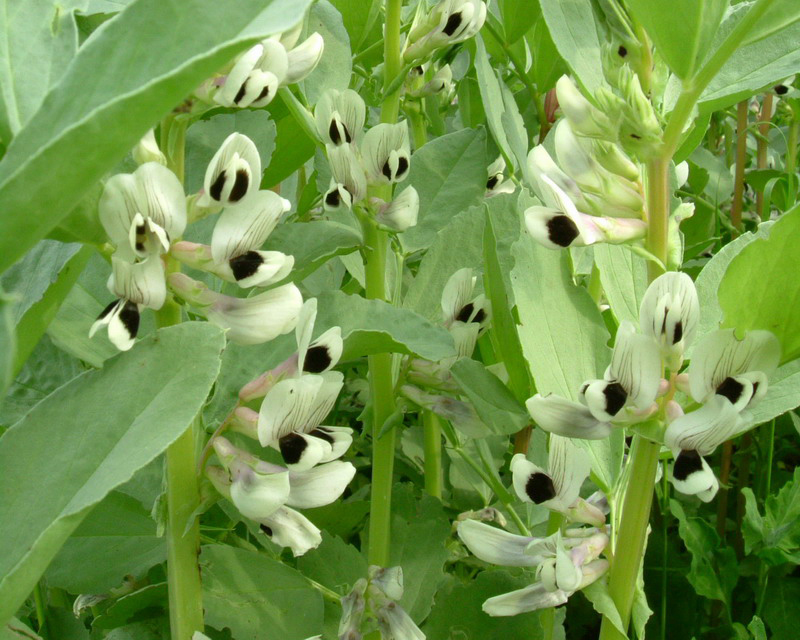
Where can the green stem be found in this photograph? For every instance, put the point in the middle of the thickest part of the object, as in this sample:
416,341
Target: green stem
791,145
762,142
380,365
657,213
741,159
547,617
38,599
433,453
419,131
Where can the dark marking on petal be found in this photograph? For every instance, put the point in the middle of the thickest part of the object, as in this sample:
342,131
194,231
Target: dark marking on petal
687,463
561,230
402,166
317,359
240,186
491,183
240,94
140,229
333,133
418,70
332,198
755,388
781,89
347,137
678,335
622,51
322,435
453,22
108,309
387,170
266,530
215,191
292,447
480,316
539,488
636,137
264,93
245,265
465,312
140,246
615,397
129,316
731,389
664,321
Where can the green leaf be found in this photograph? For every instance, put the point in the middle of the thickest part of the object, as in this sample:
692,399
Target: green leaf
782,395
7,341
496,406
714,570
597,593
562,332
312,244
334,564
153,596
449,173
518,17
108,98
764,274
419,532
293,148
682,30
504,329
39,40
89,437
572,27
623,275
119,537
335,66
780,608
548,66
756,627
753,523
374,326
457,611
204,137
358,21
252,594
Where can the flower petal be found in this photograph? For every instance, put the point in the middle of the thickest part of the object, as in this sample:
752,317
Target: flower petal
301,452
233,173
531,598
347,171
289,528
245,226
319,486
531,482
257,495
286,407
457,293
636,365
324,352
566,418
690,474
496,546
304,58
143,282
121,317
705,429
340,116
238,75
386,152
670,310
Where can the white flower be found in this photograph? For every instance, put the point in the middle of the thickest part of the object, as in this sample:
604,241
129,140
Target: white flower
121,318
289,528
464,315
323,353
340,117
252,320
495,184
396,624
154,194
561,225
146,150
233,173
140,282
566,418
304,58
255,77
401,213
670,312
348,175
448,22
386,153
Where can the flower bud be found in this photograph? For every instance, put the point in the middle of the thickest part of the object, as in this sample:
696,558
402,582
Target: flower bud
304,58
146,150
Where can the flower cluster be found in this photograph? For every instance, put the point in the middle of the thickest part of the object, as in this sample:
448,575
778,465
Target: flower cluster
380,156
447,23
256,75
727,376
297,396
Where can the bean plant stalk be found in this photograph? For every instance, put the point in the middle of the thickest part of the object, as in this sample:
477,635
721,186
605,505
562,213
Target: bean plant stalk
380,365
183,538
632,533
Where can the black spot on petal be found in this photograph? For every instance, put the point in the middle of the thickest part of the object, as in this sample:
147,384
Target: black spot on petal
622,51
561,230
418,70
139,246
215,191
317,359
129,316
108,309
333,133
332,198
687,463
322,435
402,166
292,447
781,89
539,488
678,336
636,137
731,389
140,229
480,316
266,530
465,312
245,265
387,170
264,93
240,93
348,138
491,183
453,22
240,186
615,397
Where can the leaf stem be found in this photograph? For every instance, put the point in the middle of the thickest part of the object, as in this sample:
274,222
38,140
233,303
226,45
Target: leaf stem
741,159
762,142
433,453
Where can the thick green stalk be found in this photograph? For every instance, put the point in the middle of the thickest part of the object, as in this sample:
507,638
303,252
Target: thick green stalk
741,159
762,143
380,365
433,453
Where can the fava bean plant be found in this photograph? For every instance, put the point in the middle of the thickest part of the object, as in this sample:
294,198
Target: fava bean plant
399,319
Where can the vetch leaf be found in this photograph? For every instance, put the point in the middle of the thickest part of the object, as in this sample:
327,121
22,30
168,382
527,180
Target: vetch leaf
89,437
7,341
624,278
334,564
374,326
132,72
249,593
764,275
780,608
335,67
